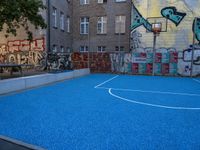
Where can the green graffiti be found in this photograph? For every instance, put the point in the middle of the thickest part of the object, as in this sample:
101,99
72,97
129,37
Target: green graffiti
172,14
138,20
196,28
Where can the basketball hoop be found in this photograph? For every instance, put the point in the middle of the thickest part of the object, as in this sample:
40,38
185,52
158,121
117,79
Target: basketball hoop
156,28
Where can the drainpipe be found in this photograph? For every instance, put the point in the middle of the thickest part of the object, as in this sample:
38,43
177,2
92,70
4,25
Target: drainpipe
48,30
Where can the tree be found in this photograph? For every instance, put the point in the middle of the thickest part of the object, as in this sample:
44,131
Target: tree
20,13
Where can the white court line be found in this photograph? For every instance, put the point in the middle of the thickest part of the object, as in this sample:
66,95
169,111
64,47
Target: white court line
154,92
152,105
106,81
196,80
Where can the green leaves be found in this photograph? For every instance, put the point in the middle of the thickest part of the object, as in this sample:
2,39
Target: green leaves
19,13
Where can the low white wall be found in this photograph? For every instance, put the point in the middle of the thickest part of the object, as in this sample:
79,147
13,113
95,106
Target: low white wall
22,83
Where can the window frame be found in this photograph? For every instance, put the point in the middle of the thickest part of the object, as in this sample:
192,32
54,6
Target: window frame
101,49
103,24
84,2
84,22
85,49
120,24
62,21
54,15
68,24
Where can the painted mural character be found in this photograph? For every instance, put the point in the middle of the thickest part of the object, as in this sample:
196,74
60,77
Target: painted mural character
138,20
172,14
196,28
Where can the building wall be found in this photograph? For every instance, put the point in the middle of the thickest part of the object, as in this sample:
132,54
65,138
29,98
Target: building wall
57,36
19,50
93,10
179,34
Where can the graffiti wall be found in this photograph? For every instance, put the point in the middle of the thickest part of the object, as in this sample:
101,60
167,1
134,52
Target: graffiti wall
98,62
128,63
59,61
23,52
180,22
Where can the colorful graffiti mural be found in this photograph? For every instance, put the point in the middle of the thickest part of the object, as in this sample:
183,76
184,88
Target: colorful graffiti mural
138,20
24,52
196,28
172,14
99,62
179,35
59,61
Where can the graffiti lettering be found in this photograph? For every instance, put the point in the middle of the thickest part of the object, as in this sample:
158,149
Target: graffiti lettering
138,20
3,50
23,52
59,61
172,14
196,28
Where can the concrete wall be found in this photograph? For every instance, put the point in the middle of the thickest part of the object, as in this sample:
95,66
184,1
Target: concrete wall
23,83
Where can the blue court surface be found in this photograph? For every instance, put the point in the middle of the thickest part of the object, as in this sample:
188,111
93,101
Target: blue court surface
106,112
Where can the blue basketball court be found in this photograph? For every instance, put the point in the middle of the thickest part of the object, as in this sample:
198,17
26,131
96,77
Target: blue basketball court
106,112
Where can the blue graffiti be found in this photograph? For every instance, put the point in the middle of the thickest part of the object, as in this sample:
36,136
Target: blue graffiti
196,28
172,14
138,20
187,54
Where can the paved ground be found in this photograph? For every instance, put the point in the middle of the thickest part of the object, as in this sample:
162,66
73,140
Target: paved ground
10,144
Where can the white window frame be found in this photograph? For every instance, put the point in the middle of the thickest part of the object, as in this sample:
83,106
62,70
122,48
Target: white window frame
62,50
117,1
100,1
84,21
102,25
54,49
101,49
68,49
120,24
54,14
83,49
68,24
121,48
84,2
62,21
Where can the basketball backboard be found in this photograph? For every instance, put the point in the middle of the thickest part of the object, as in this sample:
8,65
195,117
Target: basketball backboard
158,20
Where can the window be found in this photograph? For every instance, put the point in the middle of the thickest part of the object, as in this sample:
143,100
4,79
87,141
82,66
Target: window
68,49
68,24
62,49
120,22
121,48
84,2
83,48
101,49
102,25
84,25
62,25
101,1
120,0
54,14
54,50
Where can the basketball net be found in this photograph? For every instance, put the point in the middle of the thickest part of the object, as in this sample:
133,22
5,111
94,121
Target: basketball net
156,28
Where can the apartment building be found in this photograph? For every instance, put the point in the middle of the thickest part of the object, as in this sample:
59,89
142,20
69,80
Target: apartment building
59,37
56,38
101,25
78,25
